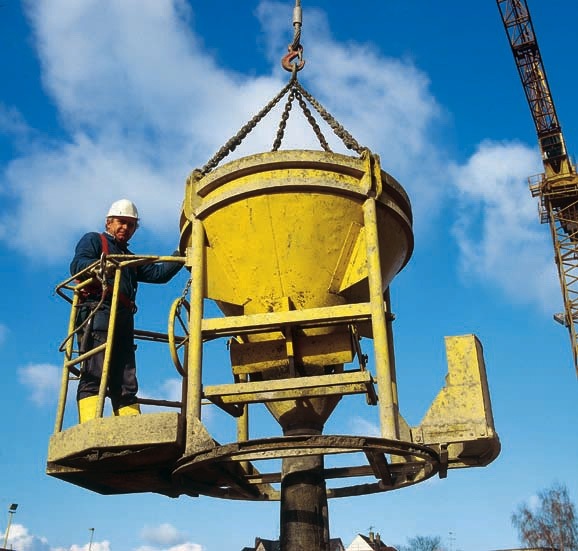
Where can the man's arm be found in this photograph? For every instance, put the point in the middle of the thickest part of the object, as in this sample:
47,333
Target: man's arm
161,272
88,250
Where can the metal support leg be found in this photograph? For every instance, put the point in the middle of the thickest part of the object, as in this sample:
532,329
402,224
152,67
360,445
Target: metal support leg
109,342
387,413
391,355
196,254
65,372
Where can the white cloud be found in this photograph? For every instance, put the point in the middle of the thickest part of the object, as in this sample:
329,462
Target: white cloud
497,228
359,425
163,538
180,547
19,538
187,547
13,124
163,534
139,118
95,546
171,389
42,381
137,115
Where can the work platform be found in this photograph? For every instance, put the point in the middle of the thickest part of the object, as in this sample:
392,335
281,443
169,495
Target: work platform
298,250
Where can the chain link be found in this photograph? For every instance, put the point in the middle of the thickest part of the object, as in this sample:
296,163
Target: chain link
348,140
296,92
236,140
186,290
312,122
283,121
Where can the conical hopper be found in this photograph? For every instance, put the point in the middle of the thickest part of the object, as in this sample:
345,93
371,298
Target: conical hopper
286,230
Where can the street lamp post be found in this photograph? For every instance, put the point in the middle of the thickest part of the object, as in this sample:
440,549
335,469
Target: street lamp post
11,511
91,536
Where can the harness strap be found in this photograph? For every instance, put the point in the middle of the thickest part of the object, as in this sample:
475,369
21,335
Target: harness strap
104,243
95,291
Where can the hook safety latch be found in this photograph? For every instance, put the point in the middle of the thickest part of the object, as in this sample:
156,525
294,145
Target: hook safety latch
286,60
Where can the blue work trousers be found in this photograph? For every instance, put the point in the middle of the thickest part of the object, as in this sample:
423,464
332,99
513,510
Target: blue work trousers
122,385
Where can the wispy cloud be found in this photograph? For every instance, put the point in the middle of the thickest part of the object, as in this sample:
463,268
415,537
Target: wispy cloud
164,535
42,381
180,547
497,229
359,425
95,546
137,118
20,538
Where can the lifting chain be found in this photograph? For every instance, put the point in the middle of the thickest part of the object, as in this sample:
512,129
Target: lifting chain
183,297
236,140
310,119
292,62
348,140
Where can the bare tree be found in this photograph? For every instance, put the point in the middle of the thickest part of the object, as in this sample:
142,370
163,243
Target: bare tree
551,524
423,543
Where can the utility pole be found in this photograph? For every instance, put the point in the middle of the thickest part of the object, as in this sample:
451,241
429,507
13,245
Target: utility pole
11,511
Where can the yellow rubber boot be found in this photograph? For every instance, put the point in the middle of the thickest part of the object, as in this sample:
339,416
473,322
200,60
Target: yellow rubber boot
133,409
87,408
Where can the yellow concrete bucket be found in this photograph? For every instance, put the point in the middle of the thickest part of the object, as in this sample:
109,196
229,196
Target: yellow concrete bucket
289,225
289,231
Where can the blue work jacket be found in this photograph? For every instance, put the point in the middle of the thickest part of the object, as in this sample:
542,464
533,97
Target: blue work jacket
89,249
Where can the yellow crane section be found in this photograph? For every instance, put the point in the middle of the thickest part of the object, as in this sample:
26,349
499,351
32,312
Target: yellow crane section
557,187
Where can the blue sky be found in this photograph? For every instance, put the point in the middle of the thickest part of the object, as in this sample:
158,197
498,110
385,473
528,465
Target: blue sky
109,99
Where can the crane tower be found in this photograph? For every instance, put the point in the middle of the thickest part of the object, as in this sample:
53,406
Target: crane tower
557,187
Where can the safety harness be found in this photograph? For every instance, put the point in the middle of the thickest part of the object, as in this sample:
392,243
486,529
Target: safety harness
94,291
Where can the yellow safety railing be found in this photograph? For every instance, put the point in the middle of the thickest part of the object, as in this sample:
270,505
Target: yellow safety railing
72,289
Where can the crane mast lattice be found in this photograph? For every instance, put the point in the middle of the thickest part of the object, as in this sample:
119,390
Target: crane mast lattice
557,187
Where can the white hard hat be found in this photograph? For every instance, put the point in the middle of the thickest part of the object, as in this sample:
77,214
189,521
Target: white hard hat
123,207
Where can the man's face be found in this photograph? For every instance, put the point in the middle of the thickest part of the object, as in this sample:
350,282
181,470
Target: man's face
121,228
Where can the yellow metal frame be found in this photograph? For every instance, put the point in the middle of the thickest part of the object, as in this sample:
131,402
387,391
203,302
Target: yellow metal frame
71,290
352,300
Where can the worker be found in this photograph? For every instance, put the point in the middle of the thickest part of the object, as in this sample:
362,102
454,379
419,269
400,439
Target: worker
121,223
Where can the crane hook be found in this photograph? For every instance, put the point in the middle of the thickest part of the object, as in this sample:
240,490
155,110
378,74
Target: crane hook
294,53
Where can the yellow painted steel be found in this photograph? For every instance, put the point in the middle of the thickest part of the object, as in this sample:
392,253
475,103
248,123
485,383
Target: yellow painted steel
299,231
387,415
110,339
65,375
287,225
195,257
461,416
298,249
